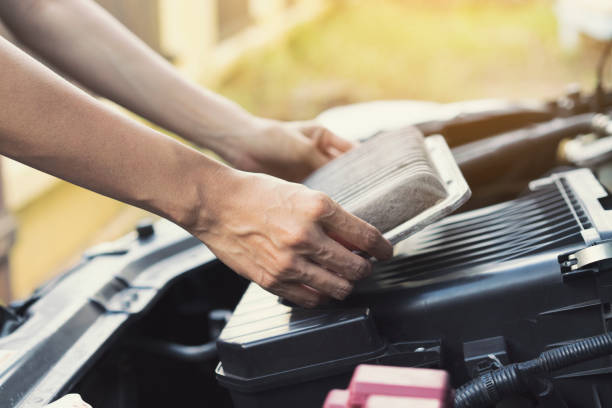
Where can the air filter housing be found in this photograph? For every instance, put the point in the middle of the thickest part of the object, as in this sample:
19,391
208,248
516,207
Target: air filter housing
489,282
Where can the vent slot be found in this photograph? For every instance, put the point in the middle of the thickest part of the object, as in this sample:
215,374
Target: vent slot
550,217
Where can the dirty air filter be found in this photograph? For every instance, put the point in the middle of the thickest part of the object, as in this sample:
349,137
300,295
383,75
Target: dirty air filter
397,181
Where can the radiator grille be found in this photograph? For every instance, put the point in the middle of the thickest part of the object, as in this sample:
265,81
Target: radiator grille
548,218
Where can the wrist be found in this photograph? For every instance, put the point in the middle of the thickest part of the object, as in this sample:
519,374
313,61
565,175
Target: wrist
224,130
192,185
205,186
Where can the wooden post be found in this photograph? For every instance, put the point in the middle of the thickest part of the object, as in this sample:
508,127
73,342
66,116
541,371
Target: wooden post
7,225
7,239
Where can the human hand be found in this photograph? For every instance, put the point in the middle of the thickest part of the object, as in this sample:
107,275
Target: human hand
69,401
286,237
289,150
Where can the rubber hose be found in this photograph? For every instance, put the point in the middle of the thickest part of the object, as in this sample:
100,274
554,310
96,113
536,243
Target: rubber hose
583,350
189,353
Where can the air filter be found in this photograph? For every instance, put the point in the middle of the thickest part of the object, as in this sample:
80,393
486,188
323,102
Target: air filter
397,181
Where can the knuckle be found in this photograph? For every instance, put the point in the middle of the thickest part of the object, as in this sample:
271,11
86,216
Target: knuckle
269,282
319,205
342,291
286,264
322,253
302,275
298,237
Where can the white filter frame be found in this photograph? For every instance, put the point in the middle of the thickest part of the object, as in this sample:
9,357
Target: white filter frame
457,191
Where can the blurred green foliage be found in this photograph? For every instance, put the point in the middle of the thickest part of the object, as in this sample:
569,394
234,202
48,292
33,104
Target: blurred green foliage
439,50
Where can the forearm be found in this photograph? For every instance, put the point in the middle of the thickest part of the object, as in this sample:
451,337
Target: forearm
279,234
53,126
85,42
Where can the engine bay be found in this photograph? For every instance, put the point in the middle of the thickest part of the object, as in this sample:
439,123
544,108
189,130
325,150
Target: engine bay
501,281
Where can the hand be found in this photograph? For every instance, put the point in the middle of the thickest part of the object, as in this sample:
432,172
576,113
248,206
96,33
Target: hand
289,150
286,237
69,401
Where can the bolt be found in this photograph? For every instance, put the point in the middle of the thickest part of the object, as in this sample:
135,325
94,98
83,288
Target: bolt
145,229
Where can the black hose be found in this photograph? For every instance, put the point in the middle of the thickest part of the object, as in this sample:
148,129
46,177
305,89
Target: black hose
491,388
512,146
577,352
513,159
197,353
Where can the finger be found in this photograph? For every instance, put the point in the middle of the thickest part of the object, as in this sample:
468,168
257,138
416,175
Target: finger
348,228
327,141
336,258
300,294
306,150
316,158
321,279
335,143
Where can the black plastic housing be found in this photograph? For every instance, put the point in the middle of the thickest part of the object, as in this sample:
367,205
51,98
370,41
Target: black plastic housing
488,279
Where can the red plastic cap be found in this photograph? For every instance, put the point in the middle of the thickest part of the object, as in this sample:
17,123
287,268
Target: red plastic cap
397,381
337,399
383,401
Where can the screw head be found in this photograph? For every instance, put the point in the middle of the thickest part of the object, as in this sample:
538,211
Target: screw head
145,229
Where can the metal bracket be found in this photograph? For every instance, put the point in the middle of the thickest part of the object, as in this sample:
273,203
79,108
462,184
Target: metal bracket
485,355
585,259
107,249
131,300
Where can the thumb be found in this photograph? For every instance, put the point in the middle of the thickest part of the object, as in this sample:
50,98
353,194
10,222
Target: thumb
317,158
327,141
309,152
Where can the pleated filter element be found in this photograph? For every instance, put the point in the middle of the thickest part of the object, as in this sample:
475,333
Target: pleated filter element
397,181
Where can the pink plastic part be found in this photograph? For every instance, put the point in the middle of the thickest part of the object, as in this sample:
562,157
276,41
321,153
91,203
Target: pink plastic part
397,381
337,399
383,401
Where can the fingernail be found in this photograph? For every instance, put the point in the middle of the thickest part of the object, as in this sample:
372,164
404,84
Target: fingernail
343,291
388,250
361,270
364,270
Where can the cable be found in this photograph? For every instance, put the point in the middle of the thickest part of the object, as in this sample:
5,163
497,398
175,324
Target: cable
491,388
197,353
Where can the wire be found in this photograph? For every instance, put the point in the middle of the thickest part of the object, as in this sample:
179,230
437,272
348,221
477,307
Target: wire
197,353
491,388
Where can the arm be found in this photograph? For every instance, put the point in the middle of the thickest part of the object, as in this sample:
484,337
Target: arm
268,230
88,44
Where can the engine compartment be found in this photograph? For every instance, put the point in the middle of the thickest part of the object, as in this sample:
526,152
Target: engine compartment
483,283
473,291
477,290
130,375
